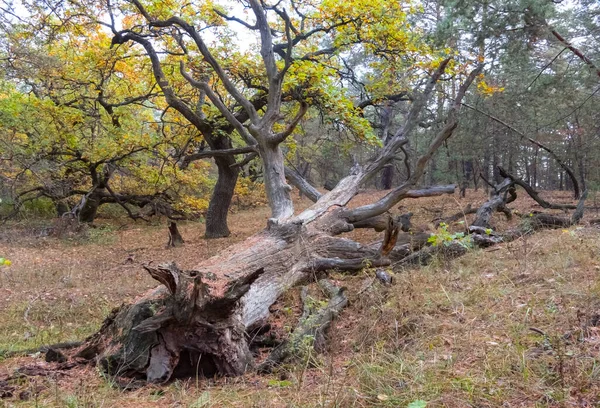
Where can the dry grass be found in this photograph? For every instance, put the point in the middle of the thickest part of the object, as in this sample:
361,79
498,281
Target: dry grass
455,333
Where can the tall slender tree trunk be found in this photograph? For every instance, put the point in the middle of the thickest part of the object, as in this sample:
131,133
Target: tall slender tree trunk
467,166
387,173
534,171
580,156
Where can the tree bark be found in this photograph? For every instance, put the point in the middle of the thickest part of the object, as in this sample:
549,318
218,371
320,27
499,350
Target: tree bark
175,238
61,208
278,191
220,201
88,211
497,202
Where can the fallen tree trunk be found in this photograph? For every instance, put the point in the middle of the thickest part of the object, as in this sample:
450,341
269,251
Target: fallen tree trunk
196,322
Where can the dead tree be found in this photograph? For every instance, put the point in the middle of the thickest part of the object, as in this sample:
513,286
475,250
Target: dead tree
505,193
199,318
175,238
501,194
196,321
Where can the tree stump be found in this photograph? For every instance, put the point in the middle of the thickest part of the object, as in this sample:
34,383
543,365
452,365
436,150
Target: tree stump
175,238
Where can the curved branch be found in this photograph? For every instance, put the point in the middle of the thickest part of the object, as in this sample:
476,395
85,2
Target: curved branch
191,31
389,200
214,153
280,137
218,103
400,137
562,164
534,194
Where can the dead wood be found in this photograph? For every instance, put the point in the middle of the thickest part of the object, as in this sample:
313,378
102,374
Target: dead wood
380,222
502,194
197,322
469,209
485,238
534,194
428,253
312,327
174,330
175,238
390,237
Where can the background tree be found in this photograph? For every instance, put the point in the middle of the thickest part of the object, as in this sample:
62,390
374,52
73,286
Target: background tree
80,123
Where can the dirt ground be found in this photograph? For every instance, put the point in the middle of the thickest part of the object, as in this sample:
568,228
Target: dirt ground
517,325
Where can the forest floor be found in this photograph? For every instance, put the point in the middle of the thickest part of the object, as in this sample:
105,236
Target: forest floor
516,325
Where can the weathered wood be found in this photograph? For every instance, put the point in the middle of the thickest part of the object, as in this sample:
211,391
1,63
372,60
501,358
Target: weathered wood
311,329
426,254
198,319
534,194
175,238
182,320
390,237
501,194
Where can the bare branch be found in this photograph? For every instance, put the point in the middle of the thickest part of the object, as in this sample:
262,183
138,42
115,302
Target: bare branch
237,20
268,57
574,50
191,31
401,96
214,153
214,98
301,184
245,161
401,192
400,138
280,137
534,194
562,164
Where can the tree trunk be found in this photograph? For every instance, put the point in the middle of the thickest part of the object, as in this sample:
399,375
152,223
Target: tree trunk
387,174
89,209
467,166
497,202
387,177
220,201
61,208
197,321
278,191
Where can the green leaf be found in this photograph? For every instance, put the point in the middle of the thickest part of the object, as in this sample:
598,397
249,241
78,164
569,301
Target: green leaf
417,404
277,383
